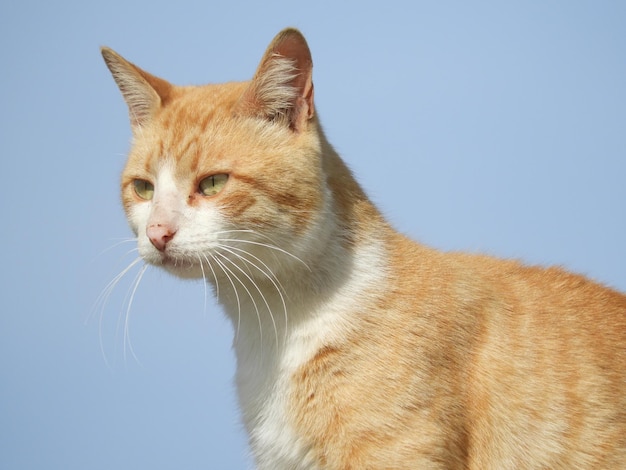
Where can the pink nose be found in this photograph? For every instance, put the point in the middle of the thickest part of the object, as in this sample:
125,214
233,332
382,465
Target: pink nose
160,235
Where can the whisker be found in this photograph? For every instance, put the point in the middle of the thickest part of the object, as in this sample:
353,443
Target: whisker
234,290
101,302
126,339
217,284
204,281
256,308
271,247
115,245
103,298
269,309
267,268
268,274
254,232
236,231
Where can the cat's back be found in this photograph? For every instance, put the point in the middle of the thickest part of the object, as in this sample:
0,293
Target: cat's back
540,353
508,289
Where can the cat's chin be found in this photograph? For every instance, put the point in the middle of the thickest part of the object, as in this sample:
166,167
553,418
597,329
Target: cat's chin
188,272
183,269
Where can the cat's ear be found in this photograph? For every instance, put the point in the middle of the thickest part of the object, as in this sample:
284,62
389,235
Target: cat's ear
282,87
144,93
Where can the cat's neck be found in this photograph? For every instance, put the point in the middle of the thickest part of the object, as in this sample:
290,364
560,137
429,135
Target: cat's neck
315,312
346,229
281,320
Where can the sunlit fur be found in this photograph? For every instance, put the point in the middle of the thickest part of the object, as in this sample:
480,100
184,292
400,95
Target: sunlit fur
357,347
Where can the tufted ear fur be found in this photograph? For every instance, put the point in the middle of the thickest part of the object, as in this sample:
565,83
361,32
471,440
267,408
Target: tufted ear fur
282,87
144,93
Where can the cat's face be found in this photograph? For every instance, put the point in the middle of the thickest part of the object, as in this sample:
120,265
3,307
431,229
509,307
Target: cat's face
222,176
200,176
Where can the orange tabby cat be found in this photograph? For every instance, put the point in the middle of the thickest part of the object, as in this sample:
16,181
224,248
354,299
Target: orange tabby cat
356,347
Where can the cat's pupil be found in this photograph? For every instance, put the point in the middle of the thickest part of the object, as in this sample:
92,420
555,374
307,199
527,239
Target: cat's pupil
144,189
213,184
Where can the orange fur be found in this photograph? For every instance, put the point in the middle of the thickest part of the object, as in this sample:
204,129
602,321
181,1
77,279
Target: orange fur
472,362
394,355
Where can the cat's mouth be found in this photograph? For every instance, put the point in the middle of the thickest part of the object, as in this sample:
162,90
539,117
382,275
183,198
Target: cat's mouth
175,259
169,260
181,266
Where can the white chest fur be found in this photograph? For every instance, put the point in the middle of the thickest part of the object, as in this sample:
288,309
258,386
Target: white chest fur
265,367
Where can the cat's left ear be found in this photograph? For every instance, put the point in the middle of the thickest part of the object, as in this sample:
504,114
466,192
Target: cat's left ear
144,93
282,87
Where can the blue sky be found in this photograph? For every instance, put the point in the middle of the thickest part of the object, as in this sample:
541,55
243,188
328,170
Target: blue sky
495,127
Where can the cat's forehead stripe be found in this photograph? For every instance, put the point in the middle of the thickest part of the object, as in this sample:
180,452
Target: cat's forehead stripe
151,162
186,131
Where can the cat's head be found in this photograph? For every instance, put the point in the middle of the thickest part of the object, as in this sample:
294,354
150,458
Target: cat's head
219,174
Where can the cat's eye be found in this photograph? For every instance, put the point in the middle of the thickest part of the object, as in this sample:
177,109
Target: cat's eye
144,189
211,185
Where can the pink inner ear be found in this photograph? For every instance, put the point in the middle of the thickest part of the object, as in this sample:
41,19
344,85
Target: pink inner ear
143,92
260,98
303,109
291,44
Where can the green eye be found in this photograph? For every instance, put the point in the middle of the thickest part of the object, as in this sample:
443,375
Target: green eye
211,185
144,189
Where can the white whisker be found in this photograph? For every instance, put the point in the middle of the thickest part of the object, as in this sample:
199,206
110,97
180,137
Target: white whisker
267,273
254,232
256,308
271,247
234,290
217,284
269,309
126,339
101,302
256,258
204,281
103,298
115,245
235,231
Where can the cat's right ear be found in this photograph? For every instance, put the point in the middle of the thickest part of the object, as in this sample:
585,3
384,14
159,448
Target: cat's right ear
144,93
282,87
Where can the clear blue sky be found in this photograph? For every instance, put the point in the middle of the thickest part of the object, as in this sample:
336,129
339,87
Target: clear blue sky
497,127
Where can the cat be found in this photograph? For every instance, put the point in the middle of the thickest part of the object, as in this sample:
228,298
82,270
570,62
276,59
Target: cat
356,347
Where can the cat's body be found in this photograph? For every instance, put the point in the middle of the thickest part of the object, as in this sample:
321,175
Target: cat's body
357,347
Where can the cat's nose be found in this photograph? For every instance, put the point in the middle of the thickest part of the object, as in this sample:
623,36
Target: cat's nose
160,235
